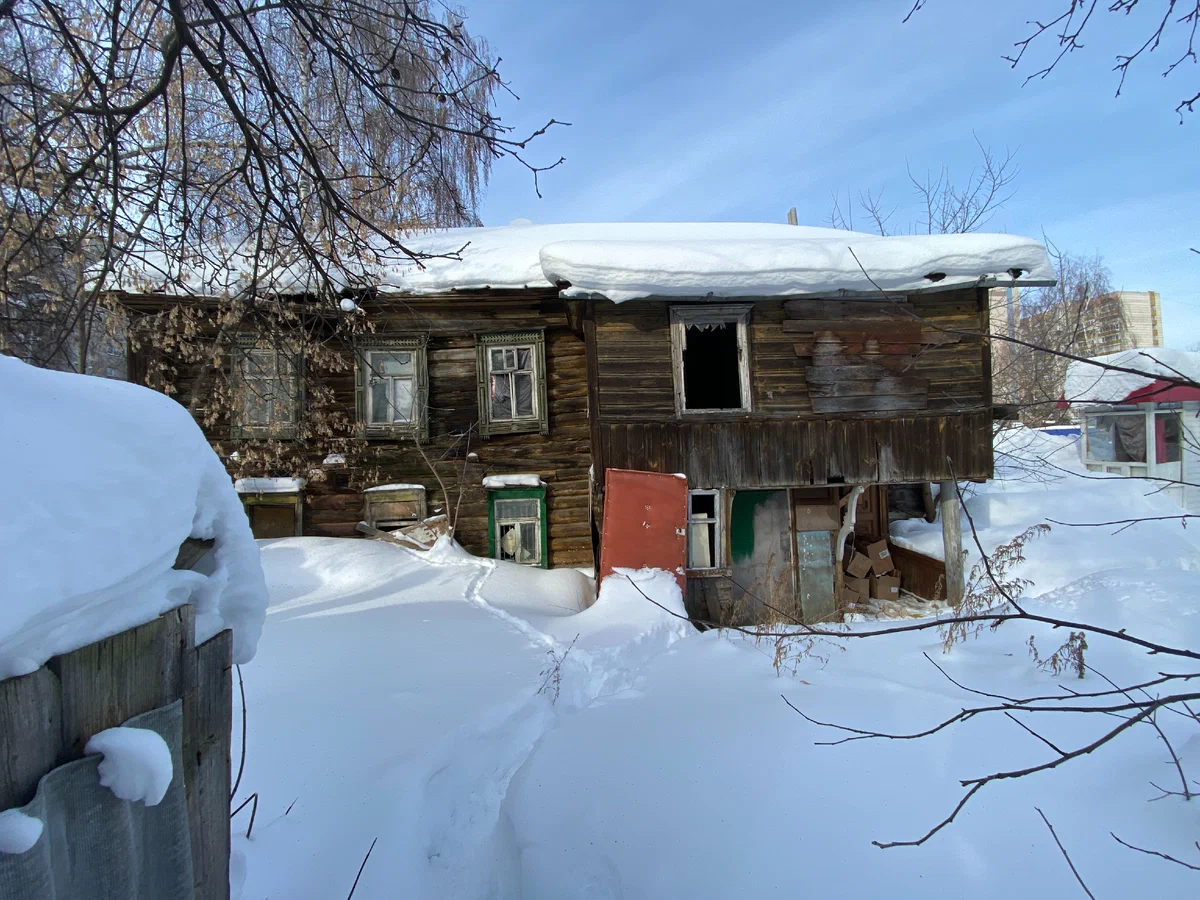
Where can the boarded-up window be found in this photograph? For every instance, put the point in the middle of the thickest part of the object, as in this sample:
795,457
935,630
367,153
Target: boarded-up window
272,521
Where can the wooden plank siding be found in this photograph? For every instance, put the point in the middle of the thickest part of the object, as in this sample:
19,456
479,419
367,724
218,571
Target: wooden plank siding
846,391
561,458
333,499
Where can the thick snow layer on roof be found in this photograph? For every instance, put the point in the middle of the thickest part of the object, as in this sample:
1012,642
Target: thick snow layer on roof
1086,382
399,486
626,260
105,481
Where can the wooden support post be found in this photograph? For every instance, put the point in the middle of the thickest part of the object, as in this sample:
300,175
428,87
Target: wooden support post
952,542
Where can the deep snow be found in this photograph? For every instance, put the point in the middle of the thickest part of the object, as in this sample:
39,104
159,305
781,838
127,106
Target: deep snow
106,479
499,738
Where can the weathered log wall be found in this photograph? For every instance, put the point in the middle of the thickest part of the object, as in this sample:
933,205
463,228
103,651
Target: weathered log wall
333,498
842,391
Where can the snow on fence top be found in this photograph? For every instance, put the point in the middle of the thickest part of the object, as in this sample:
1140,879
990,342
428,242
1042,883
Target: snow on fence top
1091,383
624,261
105,481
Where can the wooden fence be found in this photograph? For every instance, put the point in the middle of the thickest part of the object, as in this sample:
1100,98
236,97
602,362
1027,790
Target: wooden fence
47,716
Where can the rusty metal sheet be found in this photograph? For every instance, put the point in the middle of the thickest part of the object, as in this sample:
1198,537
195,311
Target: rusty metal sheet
645,520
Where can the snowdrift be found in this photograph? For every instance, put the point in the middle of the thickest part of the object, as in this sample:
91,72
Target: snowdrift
104,481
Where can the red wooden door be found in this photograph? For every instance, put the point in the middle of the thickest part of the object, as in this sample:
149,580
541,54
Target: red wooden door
645,522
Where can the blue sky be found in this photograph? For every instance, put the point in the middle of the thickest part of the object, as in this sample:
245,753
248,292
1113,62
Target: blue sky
692,110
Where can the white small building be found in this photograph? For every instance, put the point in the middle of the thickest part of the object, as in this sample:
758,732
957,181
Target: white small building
1143,425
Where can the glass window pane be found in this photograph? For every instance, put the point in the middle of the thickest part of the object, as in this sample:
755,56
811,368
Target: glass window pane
497,360
510,359
530,549
1101,443
702,545
258,364
509,537
1131,438
402,399
379,401
392,363
284,363
523,383
255,409
1168,437
524,358
501,401
518,509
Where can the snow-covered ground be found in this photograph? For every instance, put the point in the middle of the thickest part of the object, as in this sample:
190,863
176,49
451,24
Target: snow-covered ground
412,701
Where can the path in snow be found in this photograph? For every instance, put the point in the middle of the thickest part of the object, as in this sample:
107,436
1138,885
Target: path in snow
393,697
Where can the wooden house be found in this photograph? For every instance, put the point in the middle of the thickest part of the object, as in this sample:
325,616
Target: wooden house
776,367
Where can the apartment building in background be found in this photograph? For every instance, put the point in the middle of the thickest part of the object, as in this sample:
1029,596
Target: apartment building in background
1121,320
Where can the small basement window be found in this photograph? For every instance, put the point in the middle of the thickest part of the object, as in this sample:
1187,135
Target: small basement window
709,345
517,525
705,517
274,506
392,506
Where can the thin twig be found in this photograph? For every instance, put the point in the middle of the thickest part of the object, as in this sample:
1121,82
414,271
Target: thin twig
253,811
242,764
1156,853
1066,856
360,869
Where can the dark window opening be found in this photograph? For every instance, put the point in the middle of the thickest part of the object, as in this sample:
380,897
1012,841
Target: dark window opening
711,378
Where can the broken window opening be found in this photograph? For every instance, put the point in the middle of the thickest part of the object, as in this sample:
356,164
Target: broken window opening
704,530
711,367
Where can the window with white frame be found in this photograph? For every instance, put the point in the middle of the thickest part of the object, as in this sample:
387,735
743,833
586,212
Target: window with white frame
518,526
1117,437
705,517
268,392
512,383
710,351
391,384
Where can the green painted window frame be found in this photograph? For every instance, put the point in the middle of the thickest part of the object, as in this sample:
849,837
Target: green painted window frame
404,343
520,493
241,431
539,423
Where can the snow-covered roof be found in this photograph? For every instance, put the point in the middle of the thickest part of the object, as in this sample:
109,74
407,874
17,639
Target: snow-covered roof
106,480
1091,383
628,260
399,486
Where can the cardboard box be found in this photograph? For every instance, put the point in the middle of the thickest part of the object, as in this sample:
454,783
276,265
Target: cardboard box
885,587
860,586
852,598
880,556
858,565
